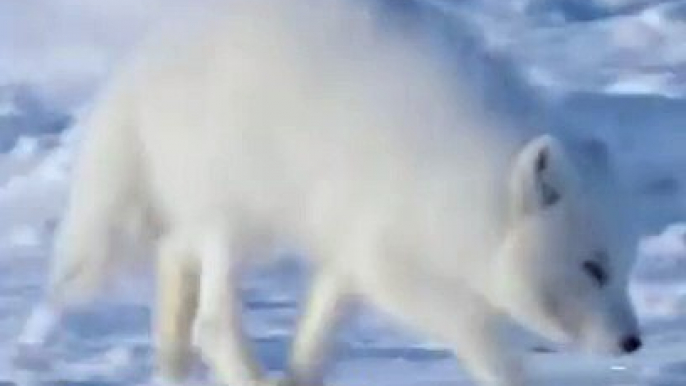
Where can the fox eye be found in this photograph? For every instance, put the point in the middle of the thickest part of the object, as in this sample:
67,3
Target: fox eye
596,272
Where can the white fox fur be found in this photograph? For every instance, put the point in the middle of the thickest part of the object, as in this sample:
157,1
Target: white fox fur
306,121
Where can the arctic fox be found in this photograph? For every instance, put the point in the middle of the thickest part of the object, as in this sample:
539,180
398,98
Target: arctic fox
307,121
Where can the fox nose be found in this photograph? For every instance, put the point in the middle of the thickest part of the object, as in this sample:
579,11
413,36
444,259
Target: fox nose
631,344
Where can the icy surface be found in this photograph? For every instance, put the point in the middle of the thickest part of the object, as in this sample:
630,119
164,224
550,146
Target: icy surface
615,69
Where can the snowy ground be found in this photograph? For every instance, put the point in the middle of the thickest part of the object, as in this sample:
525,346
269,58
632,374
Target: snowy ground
611,68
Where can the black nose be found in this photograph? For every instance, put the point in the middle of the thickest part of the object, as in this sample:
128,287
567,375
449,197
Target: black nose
631,343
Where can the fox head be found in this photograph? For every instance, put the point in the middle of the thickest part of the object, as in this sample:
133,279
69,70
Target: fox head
564,266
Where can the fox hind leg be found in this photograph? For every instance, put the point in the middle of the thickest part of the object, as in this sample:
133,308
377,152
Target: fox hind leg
177,301
218,331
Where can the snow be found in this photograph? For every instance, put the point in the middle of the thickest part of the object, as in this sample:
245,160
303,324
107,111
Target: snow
609,68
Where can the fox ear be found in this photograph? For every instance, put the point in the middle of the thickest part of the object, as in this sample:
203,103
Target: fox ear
547,194
541,176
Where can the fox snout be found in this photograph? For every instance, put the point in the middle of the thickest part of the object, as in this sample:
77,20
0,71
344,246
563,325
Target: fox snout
630,344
